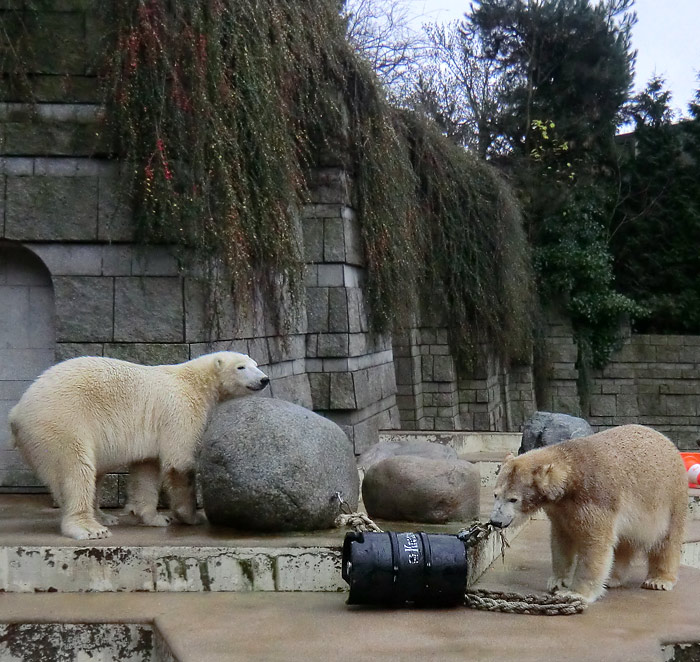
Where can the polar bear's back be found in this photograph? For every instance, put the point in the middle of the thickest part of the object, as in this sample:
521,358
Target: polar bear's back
634,453
94,386
109,403
633,466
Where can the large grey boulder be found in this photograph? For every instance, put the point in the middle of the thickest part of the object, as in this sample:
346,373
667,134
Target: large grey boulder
417,489
385,449
270,465
545,428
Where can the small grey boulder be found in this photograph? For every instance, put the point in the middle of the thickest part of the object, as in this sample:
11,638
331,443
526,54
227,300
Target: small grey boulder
417,489
270,465
385,449
544,428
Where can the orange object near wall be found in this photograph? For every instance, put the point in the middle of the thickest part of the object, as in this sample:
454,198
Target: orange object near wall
692,467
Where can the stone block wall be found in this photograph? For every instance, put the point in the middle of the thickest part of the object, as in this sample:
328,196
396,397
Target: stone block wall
350,370
559,392
434,395
116,298
409,382
496,398
518,395
62,58
426,380
27,343
652,380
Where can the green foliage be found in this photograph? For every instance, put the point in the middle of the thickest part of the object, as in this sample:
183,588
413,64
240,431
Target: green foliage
477,265
567,67
567,60
575,269
657,225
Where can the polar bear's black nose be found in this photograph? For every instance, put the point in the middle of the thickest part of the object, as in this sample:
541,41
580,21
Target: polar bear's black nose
264,381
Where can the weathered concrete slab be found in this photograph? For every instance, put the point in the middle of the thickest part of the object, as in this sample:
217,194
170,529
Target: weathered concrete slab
35,558
462,441
163,568
626,624
126,642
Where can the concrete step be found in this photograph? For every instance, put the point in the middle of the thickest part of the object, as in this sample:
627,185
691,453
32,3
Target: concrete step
488,463
35,558
462,441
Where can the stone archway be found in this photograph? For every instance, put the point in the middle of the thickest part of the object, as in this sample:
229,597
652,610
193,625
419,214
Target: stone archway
27,344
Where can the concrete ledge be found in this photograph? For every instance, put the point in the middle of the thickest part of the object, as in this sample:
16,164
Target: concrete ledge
34,558
626,624
127,642
461,441
162,568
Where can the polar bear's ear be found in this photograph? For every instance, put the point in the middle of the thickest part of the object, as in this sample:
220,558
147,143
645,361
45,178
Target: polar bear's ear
550,480
509,457
219,361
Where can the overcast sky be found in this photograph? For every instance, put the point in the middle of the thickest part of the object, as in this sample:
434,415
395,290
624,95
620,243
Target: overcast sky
667,39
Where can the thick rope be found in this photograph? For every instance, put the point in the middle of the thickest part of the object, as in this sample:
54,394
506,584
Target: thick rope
513,603
518,603
357,522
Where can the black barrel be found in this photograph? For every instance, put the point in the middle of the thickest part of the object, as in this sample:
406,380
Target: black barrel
395,569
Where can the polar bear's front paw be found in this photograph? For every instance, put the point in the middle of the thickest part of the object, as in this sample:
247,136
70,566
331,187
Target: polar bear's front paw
155,519
655,584
85,530
187,516
147,516
555,584
107,519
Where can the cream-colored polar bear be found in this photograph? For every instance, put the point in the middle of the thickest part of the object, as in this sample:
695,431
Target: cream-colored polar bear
607,496
87,416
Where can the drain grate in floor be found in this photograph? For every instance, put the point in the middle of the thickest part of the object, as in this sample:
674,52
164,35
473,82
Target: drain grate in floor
681,652
66,642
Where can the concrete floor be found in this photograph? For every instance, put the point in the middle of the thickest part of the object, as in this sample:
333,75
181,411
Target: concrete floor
30,519
627,624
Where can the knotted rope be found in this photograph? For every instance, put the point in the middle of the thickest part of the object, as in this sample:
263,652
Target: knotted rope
513,603
357,522
518,603
480,598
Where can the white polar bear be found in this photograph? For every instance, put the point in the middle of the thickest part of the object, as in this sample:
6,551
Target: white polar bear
87,416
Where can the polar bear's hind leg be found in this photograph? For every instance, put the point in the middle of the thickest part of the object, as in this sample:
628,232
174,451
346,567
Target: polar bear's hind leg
665,556
143,490
77,477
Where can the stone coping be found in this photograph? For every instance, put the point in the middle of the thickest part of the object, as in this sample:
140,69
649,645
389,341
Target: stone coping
34,557
463,441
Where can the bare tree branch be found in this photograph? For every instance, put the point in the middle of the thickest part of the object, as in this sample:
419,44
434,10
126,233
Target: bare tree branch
381,31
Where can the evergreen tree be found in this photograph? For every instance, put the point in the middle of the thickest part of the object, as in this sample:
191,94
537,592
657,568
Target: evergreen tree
568,67
657,231
568,61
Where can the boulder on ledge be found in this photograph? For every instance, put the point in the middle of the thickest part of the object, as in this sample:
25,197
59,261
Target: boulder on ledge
545,428
416,489
270,465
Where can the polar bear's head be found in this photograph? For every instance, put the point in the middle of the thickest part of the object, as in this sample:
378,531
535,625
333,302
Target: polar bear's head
238,375
524,484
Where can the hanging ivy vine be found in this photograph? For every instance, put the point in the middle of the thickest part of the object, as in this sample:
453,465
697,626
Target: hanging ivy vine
219,109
